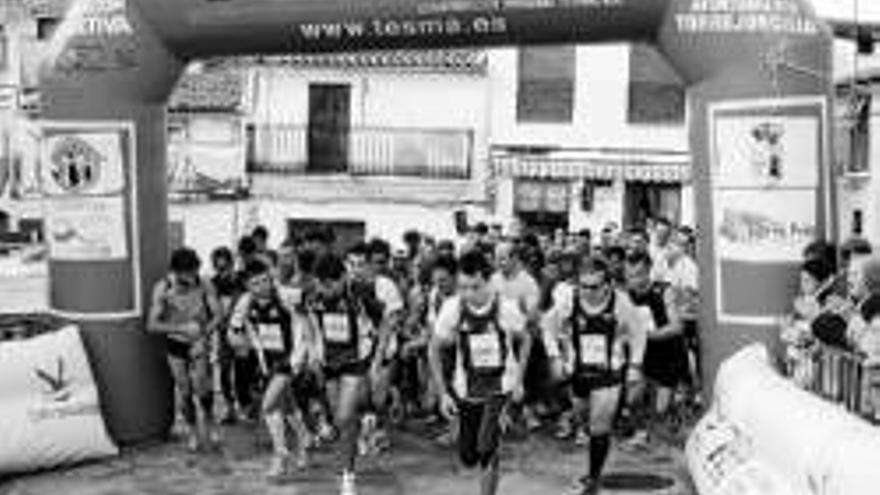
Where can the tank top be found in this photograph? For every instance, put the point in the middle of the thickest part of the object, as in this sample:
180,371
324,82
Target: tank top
484,351
593,337
272,323
655,301
340,325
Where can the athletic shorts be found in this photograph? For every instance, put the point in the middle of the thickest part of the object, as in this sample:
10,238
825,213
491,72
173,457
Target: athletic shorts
278,364
336,370
666,362
479,430
583,384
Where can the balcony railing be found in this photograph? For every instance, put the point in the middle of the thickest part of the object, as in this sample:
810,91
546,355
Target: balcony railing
361,151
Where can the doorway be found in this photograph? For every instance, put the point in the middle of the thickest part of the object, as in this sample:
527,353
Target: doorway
647,200
329,128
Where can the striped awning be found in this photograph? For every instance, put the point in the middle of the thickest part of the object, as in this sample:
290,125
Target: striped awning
664,167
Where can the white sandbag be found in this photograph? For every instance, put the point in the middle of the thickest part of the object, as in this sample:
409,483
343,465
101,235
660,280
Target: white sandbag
49,407
721,461
789,428
850,463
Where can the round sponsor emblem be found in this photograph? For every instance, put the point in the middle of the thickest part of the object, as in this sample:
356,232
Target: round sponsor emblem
76,164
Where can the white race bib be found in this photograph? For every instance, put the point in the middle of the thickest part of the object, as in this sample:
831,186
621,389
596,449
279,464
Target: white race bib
594,350
270,337
336,328
485,350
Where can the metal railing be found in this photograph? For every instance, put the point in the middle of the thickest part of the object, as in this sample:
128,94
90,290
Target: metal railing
364,151
845,377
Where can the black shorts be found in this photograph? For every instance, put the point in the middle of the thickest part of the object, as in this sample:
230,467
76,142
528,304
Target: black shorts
480,430
584,383
278,364
666,362
334,370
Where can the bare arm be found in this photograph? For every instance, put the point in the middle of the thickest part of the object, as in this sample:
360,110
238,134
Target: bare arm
674,327
154,318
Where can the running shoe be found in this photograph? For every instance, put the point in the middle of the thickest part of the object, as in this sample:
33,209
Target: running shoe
582,439
640,441
564,427
532,422
277,467
348,487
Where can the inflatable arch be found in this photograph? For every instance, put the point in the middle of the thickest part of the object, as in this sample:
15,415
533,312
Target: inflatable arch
759,75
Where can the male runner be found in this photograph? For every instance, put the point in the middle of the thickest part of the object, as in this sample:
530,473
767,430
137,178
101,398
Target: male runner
483,328
588,337
269,323
347,318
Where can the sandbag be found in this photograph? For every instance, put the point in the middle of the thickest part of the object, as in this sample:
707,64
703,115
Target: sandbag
50,413
722,461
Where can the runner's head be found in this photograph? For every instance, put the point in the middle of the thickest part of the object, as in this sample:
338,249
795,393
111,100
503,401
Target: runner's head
637,270
222,260
356,261
508,258
329,276
184,267
443,273
379,257
258,278
594,283
474,272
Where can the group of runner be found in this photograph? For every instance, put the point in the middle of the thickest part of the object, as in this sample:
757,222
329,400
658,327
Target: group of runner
331,346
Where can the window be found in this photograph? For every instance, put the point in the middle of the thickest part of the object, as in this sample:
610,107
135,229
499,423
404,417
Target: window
853,133
46,26
656,91
545,91
588,193
4,49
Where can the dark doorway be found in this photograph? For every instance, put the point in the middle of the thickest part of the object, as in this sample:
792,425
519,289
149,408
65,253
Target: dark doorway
347,233
645,200
329,126
4,222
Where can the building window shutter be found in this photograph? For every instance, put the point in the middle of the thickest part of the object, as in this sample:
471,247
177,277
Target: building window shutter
657,94
545,91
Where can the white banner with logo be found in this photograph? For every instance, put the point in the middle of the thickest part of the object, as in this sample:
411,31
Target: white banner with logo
764,435
49,406
87,228
83,163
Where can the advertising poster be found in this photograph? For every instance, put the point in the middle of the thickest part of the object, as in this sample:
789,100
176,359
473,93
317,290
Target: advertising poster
767,151
82,163
764,226
768,199
87,229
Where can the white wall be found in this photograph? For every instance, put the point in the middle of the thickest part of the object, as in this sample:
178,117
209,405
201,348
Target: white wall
600,113
382,98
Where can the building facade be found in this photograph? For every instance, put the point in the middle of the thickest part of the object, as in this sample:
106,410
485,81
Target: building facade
372,144
584,136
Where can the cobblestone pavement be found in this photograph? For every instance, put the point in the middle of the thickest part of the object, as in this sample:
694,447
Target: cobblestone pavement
414,465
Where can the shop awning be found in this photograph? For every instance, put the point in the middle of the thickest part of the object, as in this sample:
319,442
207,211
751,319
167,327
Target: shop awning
629,165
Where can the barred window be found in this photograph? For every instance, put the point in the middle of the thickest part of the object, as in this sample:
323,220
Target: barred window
545,92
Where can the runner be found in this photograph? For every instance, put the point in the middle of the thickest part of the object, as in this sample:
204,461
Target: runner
228,286
483,328
588,336
513,281
666,365
185,309
269,325
347,319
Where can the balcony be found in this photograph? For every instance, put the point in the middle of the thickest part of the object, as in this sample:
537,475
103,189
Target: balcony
437,154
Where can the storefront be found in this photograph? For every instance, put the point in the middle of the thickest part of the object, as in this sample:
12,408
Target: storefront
592,188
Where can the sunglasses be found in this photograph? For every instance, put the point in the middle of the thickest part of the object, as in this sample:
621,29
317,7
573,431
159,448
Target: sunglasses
592,287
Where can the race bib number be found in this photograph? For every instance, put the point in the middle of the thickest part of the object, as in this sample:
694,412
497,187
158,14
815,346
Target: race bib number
485,350
594,350
336,328
270,337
